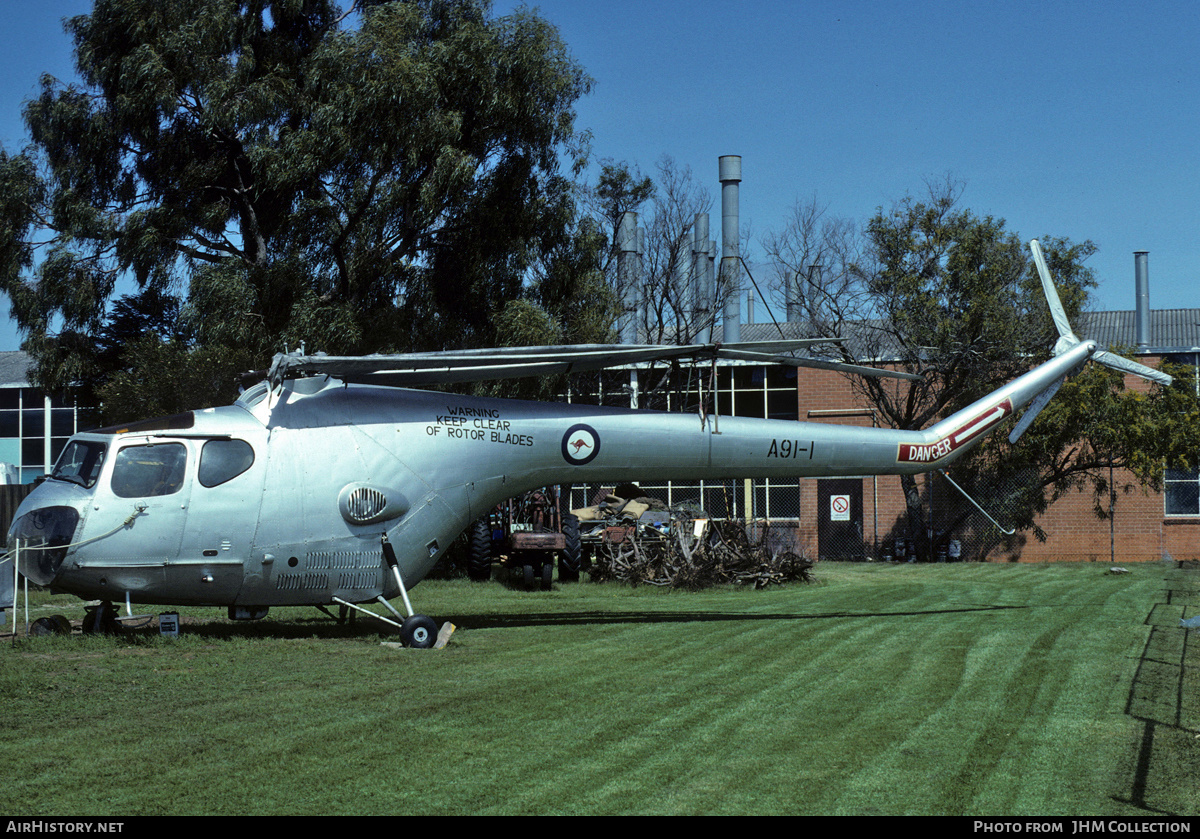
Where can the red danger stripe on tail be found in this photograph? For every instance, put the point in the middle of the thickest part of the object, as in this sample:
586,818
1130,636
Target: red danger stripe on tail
961,436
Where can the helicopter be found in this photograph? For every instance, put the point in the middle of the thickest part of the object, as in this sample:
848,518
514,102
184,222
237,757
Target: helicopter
337,481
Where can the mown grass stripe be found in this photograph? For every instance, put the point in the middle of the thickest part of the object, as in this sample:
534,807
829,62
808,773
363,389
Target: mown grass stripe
948,689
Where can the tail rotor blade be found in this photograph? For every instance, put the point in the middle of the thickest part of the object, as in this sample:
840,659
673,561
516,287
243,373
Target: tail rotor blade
1035,407
1124,365
1068,338
1067,341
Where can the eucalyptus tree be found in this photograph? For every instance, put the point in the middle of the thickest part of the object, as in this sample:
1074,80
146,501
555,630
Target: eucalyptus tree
380,177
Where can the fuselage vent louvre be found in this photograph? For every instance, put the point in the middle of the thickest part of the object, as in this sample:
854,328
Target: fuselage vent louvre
365,504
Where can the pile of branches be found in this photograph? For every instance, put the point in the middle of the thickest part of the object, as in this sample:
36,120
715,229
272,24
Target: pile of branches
724,554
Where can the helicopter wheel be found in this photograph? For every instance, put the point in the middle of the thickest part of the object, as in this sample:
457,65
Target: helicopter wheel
100,620
55,625
419,632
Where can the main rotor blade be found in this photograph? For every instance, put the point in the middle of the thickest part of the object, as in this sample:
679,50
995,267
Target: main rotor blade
821,364
512,362
1057,312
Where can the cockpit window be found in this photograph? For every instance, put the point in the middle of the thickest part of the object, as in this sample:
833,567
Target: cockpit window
224,460
147,471
80,462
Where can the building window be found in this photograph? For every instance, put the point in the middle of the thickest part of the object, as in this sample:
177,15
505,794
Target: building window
34,428
741,390
1181,492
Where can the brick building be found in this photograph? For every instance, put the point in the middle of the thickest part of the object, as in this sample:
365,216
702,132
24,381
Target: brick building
1145,525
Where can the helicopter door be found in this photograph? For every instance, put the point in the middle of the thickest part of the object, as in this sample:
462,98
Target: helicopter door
148,490
150,476
223,514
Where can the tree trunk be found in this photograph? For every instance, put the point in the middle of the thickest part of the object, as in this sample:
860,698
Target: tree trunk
917,531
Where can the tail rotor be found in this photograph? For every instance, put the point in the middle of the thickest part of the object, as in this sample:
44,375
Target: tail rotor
1067,339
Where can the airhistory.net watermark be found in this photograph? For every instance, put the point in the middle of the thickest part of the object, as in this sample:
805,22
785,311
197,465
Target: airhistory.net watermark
61,826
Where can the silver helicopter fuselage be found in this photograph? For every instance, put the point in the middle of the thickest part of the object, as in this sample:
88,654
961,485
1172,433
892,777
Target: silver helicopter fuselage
283,498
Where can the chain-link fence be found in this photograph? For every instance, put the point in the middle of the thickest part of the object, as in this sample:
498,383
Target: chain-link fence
802,515
955,527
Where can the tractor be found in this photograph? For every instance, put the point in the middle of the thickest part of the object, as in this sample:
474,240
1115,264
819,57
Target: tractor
527,533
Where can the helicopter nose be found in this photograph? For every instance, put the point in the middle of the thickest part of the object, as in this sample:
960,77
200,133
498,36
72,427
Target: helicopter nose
44,533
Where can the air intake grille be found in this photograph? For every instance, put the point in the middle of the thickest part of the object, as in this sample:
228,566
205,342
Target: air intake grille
365,503
362,504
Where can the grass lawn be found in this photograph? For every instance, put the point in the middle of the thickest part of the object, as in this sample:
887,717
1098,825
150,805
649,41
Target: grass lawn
972,689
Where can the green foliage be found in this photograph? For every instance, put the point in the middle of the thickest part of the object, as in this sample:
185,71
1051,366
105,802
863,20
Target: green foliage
169,377
384,181
620,189
570,287
957,300
19,194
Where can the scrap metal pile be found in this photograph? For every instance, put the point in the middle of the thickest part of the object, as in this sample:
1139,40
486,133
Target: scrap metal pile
642,541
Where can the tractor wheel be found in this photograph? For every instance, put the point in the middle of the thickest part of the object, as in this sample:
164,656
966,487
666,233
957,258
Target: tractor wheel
54,625
100,620
570,560
479,558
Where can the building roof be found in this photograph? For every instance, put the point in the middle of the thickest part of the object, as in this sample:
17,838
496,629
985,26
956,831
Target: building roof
14,368
1171,330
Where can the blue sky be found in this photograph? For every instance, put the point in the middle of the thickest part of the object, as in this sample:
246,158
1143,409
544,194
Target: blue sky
1075,119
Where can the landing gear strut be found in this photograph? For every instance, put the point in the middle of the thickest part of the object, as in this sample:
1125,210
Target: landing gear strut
418,631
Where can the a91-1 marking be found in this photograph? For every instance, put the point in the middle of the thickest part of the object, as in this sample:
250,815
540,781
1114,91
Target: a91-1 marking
790,449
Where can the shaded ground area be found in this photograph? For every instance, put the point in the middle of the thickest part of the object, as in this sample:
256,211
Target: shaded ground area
1165,698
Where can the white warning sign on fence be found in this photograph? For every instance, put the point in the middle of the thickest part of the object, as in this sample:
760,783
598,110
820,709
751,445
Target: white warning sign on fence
839,508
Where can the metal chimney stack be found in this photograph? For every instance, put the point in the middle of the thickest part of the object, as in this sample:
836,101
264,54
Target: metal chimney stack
644,304
702,299
730,169
628,277
1141,274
